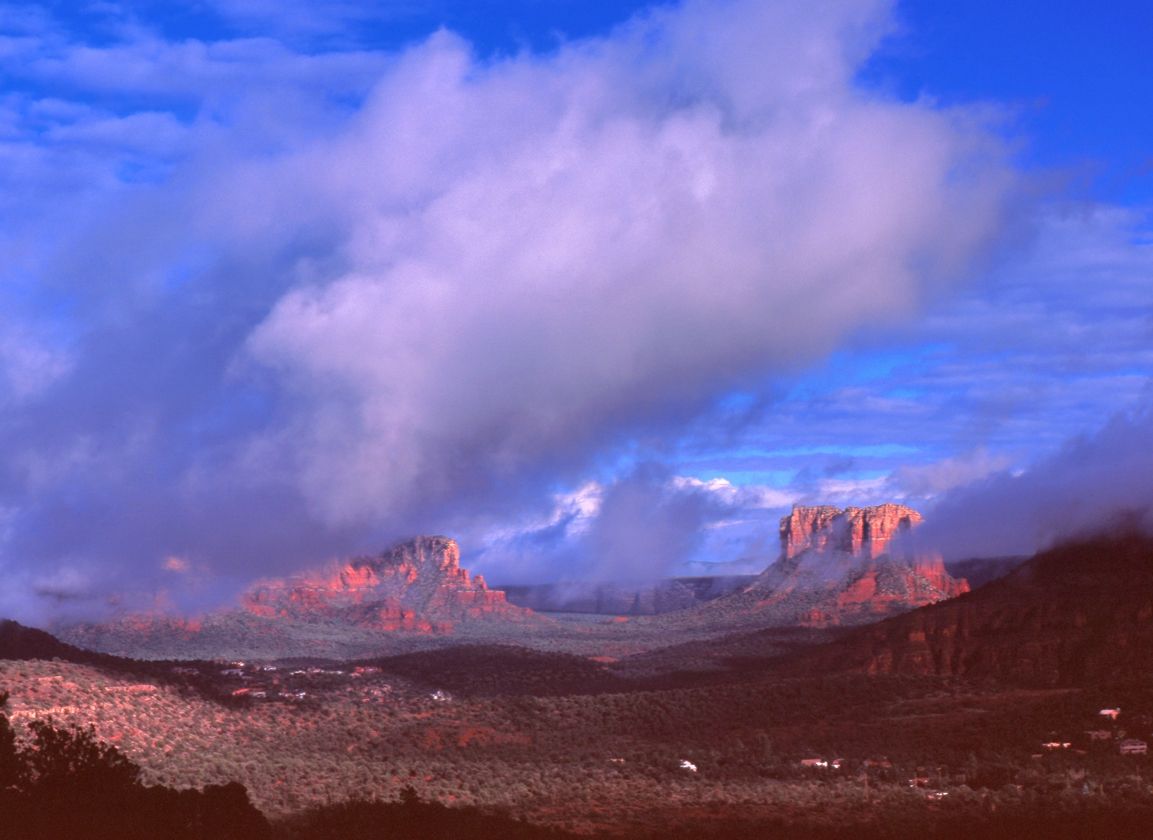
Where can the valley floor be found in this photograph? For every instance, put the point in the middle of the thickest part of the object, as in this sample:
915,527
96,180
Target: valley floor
882,750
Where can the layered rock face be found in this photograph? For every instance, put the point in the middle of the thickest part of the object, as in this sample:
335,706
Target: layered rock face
844,566
861,532
417,586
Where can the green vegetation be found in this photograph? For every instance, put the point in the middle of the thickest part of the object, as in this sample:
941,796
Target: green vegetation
65,783
588,761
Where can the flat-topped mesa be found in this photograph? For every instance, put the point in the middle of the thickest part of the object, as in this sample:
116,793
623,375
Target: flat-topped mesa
844,566
861,532
416,585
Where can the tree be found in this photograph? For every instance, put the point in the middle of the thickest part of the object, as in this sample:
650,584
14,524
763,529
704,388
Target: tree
74,759
67,784
11,765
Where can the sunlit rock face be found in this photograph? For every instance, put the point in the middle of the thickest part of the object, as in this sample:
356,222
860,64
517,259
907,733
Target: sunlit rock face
416,586
354,608
844,566
861,532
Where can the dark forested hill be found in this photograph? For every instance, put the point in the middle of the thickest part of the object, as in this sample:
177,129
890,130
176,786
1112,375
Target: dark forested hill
1079,614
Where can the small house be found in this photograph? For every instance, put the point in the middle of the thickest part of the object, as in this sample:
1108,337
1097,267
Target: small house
1131,746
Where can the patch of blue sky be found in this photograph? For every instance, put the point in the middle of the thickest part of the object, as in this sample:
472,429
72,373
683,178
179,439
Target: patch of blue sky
494,26
142,171
1068,75
775,478
905,393
862,450
190,265
508,26
868,366
47,101
23,295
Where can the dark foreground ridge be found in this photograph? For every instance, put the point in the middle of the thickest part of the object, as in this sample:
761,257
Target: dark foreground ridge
1080,614
67,784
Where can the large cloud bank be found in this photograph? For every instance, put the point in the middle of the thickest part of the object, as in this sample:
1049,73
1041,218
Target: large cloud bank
272,325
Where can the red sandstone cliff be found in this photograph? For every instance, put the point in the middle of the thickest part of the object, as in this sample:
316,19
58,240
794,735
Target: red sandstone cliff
861,532
416,586
847,566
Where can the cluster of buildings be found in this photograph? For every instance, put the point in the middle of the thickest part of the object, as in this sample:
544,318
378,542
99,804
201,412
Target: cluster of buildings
272,682
1102,736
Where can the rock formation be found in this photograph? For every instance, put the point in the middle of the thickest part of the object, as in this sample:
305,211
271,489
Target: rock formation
360,607
417,586
861,532
848,566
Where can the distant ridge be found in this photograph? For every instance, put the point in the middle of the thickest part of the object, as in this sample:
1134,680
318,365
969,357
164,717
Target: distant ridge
625,597
18,642
21,643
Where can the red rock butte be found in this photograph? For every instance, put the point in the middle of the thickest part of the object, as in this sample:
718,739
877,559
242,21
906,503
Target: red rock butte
862,532
842,566
416,586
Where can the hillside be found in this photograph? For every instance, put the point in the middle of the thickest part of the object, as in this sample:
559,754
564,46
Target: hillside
981,570
1079,614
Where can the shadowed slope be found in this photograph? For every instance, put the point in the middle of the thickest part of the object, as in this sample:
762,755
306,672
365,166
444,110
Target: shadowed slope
1077,614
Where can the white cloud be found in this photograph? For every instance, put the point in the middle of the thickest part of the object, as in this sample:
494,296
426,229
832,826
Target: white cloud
544,250
924,481
743,496
1092,483
29,364
362,294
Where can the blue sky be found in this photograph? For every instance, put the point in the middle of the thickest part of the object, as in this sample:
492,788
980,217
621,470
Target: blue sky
600,288
1071,73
